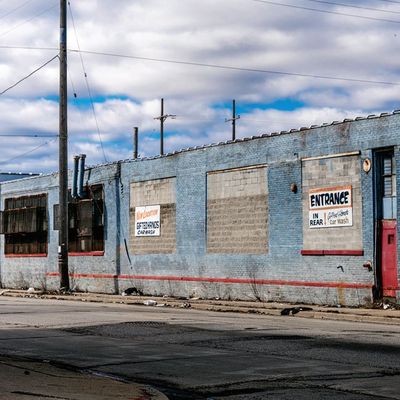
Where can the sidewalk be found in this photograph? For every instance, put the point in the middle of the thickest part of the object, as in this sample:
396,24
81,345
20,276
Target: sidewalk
373,315
24,379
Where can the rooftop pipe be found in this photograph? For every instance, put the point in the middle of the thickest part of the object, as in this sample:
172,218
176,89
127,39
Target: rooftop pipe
81,175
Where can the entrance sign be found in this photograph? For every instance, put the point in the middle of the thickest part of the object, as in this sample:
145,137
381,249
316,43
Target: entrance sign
147,221
330,207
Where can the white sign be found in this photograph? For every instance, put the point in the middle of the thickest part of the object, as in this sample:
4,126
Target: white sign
147,221
330,207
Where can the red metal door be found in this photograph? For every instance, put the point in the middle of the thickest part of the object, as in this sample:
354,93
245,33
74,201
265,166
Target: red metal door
389,258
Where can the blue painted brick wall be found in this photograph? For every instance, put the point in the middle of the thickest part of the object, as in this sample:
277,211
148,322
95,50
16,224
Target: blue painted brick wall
282,154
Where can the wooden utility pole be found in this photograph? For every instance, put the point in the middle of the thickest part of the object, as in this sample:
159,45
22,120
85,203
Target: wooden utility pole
233,119
162,119
63,154
135,142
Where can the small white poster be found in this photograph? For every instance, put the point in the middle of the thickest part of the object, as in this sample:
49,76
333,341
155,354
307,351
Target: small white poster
147,221
330,207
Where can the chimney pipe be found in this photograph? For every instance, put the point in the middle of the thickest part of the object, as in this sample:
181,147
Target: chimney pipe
74,188
81,175
135,142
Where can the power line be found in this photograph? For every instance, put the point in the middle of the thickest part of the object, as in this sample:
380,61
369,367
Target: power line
28,136
233,68
29,75
87,83
28,20
353,6
15,9
28,152
391,1
206,65
273,3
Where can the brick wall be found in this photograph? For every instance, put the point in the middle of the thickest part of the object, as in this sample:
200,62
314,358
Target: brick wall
155,192
326,173
237,211
280,273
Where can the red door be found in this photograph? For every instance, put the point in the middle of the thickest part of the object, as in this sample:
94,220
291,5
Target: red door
389,258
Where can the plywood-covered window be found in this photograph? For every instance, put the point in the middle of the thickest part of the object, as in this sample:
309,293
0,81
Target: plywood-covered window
85,221
24,224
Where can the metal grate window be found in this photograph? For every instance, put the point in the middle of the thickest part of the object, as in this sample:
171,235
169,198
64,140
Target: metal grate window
24,224
86,222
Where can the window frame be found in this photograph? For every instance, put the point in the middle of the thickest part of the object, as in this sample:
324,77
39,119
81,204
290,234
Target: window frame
24,223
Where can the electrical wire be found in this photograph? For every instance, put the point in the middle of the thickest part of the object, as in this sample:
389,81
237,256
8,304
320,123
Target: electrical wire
273,3
29,75
28,136
87,83
216,66
26,153
353,6
28,20
15,9
229,67
391,1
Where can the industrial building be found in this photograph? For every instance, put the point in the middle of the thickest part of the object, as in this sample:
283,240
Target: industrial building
308,215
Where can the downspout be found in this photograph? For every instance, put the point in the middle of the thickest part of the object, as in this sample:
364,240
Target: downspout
81,175
74,188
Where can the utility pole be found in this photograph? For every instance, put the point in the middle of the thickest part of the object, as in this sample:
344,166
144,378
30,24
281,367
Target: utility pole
63,154
135,142
233,119
162,119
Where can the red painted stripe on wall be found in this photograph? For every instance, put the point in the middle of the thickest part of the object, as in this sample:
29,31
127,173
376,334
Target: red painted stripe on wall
332,252
85,254
25,255
72,254
220,280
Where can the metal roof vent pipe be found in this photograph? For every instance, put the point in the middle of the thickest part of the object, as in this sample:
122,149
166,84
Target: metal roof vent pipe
81,175
74,188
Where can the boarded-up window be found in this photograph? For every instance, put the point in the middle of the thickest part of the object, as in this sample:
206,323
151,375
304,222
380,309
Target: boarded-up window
86,222
237,211
24,223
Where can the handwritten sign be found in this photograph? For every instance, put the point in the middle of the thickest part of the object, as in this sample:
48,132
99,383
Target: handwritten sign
147,221
330,207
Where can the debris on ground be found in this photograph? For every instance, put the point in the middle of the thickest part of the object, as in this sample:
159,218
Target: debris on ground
31,290
185,305
294,310
132,291
386,305
150,303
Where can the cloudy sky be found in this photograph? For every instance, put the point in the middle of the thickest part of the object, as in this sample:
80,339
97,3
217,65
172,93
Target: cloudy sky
288,64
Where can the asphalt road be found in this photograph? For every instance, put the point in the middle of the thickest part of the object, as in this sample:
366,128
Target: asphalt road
189,354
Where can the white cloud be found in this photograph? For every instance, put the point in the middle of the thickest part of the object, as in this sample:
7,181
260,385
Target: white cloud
238,33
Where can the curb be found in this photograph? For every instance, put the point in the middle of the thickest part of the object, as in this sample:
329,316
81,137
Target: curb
388,317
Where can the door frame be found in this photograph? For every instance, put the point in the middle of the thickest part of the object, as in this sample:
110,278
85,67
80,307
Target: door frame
378,189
